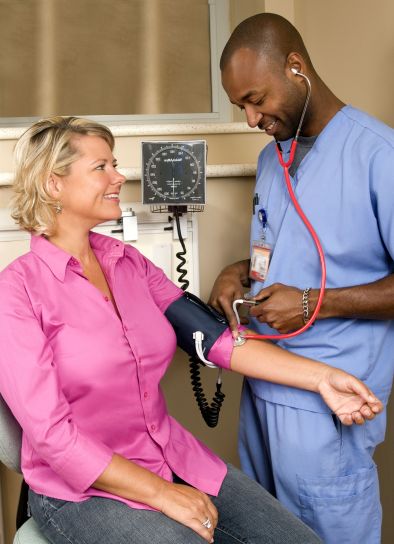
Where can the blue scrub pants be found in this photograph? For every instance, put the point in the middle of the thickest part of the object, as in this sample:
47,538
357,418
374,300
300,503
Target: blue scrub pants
321,470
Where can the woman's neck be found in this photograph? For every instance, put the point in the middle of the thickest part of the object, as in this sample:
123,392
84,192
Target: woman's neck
74,242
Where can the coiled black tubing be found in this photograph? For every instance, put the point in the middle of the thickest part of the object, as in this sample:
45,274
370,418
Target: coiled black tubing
209,411
181,255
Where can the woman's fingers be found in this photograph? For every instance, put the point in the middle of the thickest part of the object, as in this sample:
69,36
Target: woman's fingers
206,525
192,508
200,529
345,419
367,412
371,401
358,418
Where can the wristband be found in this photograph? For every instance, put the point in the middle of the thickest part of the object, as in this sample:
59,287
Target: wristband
305,305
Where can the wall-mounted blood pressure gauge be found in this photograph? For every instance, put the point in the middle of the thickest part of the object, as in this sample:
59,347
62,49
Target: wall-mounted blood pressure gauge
174,173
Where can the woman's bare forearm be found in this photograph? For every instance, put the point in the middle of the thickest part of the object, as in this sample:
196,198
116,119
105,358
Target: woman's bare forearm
265,361
348,397
130,481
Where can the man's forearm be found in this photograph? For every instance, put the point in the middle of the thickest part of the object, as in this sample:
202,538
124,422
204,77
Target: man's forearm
369,301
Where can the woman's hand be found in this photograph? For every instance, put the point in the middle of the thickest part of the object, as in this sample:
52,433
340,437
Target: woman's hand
181,503
349,398
190,507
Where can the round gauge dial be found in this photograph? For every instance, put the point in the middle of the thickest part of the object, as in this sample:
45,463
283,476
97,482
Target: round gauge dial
174,172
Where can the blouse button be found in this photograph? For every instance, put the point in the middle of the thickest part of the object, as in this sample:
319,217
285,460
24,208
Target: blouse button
106,299
145,395
153,428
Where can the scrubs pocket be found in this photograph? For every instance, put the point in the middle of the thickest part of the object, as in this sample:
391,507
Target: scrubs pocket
343,509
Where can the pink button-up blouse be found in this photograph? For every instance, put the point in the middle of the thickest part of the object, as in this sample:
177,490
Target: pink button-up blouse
84,383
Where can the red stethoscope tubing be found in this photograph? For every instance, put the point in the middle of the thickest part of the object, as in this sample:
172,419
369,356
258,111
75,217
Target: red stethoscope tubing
286,166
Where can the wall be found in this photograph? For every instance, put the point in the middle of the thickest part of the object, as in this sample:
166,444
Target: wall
351,44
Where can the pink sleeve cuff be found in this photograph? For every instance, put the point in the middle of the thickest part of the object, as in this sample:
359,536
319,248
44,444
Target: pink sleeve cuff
220,352
84,463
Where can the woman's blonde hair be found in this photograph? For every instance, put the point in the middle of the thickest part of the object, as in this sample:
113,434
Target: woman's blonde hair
46,148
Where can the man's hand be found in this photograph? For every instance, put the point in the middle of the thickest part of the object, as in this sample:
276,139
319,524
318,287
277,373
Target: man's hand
229,286
280,306
349,398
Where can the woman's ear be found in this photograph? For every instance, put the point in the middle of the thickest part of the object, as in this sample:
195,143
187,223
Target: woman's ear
54,186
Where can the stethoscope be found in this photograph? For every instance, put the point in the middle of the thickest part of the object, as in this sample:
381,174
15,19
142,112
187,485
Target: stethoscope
286,165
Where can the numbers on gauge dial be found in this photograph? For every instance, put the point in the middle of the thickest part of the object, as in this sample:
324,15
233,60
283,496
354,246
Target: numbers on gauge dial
173,173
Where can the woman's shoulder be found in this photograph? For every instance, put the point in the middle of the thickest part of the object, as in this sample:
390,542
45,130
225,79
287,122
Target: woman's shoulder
18,277
19,267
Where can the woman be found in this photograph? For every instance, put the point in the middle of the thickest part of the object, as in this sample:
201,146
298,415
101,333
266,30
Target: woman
80,369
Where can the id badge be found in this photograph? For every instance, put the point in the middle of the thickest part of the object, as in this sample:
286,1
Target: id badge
260,260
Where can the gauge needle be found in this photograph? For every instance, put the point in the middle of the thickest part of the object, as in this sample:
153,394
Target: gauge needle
173,179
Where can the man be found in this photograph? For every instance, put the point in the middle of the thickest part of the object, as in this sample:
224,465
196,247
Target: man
342,175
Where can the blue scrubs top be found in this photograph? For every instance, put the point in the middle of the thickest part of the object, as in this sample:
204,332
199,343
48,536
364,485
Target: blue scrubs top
345,186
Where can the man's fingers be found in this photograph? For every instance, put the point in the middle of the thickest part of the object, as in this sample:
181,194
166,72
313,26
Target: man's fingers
214,302
227,309
261,295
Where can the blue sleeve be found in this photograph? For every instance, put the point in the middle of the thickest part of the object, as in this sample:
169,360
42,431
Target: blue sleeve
382,194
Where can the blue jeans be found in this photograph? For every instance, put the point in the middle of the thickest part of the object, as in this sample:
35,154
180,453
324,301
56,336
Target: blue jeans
247,514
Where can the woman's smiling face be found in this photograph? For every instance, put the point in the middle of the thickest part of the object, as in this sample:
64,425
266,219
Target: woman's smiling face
89,193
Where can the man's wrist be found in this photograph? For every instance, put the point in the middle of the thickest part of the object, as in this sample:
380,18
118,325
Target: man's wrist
312,300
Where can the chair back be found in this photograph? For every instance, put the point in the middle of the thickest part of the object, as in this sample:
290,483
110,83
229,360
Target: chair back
10,455
10,438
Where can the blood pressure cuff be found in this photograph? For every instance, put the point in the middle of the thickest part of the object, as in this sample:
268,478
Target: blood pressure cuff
189,314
